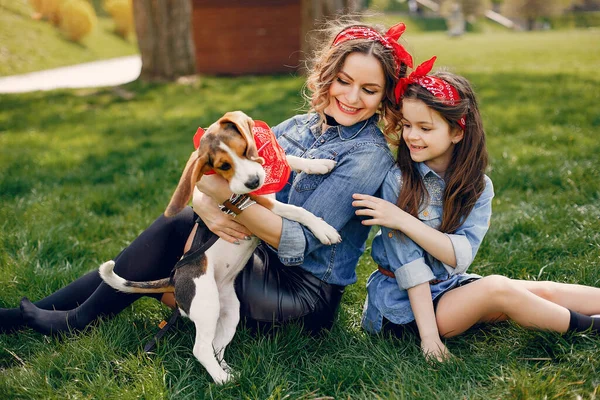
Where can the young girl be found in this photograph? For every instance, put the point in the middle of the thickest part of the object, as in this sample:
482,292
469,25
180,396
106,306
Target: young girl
292,276
435,211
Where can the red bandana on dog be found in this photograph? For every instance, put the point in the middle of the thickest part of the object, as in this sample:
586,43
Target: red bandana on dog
389,41
434,85
277,170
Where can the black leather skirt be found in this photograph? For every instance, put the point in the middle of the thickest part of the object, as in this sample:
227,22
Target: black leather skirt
272,294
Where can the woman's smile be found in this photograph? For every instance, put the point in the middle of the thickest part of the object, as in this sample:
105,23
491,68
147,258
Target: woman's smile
346,109
357,90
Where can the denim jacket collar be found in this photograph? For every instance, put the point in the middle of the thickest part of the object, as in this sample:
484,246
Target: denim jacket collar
344,132
424,170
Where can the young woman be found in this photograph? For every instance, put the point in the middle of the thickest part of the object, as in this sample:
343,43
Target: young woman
435,211
292,276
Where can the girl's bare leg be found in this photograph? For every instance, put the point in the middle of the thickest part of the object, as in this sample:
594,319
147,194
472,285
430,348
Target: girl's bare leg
579,298
496,298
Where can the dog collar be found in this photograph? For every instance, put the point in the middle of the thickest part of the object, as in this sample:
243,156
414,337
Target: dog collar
277,170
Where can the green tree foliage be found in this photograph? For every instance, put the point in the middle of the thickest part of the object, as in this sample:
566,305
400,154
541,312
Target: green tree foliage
470,8
532,10
474,7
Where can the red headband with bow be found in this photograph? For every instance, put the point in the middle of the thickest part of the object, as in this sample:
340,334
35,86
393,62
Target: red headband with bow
389,41
434,85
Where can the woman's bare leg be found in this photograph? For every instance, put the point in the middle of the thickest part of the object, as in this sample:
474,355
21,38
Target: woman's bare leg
496,298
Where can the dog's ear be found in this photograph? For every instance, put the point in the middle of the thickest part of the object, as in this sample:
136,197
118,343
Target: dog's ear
193,171
244,124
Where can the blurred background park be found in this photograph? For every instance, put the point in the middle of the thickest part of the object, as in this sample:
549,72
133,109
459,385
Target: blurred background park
84,171
210,36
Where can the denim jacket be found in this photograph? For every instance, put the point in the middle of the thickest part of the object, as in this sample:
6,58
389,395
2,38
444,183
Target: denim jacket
362,161
410,264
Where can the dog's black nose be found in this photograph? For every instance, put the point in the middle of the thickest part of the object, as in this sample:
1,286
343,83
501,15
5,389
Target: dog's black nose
253,182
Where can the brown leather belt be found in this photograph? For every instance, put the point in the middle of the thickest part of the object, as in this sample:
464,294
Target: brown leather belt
389,273
386,272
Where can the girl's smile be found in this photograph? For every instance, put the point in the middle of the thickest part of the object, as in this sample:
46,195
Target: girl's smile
414,148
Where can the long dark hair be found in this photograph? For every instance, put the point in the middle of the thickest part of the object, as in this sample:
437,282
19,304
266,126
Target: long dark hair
465,174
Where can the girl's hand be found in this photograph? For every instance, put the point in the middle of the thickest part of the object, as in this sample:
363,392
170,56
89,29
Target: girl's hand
435,350
382,212
224,226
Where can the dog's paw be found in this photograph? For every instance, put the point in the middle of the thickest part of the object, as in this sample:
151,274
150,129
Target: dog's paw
223,378
310,165
319,166
326,233
225,367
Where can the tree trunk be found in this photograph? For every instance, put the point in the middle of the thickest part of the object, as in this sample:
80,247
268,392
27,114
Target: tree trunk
315,13
164,35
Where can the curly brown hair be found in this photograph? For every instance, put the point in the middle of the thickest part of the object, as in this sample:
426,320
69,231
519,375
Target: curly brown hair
465,175
328,62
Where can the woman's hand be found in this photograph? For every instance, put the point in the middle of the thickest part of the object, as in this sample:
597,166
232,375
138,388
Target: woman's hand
215,186
382,212
434,349
224,226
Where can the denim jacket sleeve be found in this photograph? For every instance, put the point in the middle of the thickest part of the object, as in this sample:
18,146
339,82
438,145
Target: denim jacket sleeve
406,259
361,170
468,237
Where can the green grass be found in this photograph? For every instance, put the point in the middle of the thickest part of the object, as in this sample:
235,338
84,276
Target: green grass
28,45
83,172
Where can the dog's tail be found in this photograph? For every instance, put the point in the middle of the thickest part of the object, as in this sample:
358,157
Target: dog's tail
116,282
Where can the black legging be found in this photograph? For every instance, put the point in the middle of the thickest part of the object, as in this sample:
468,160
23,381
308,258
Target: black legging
150,256
269,292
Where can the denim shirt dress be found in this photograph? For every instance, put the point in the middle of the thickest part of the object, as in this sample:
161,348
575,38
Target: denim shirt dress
362,161
388,297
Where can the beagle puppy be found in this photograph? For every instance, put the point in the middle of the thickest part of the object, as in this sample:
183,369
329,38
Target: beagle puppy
204,284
